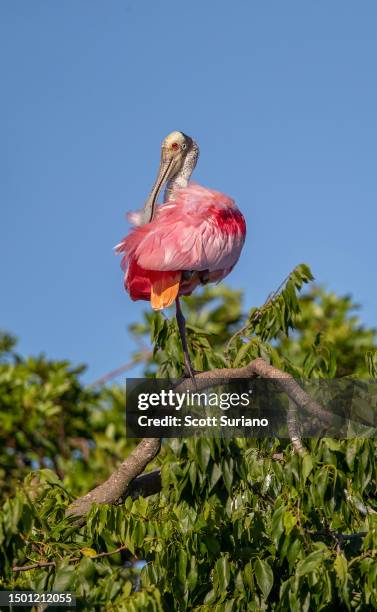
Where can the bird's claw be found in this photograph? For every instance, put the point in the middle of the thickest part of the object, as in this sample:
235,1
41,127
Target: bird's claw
190,373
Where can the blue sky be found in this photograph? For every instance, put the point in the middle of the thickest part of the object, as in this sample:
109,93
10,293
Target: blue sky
282,99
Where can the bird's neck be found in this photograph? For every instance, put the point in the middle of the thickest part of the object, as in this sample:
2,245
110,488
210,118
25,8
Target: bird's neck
181,179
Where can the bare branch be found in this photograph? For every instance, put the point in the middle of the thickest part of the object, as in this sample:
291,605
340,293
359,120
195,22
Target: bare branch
26,568
260,368
145,354
339,537
293,431
145,484
113,490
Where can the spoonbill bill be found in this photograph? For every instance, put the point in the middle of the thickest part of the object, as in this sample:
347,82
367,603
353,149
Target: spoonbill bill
195,237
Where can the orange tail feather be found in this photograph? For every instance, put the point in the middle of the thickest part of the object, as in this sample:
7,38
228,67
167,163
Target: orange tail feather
164,288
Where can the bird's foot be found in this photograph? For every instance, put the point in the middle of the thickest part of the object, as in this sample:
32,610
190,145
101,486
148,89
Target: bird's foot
190,372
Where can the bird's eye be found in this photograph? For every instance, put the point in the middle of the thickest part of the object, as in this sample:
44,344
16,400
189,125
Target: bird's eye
183,145
175,146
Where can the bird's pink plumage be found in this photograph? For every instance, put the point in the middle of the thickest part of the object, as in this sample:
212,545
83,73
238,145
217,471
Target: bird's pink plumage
198,229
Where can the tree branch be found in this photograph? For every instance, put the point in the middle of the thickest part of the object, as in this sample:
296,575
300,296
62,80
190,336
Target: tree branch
339,537
260,368
103,380
145,484
25,568
113,490
127,480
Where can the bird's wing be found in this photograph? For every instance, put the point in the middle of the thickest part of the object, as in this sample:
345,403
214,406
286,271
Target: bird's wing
199,230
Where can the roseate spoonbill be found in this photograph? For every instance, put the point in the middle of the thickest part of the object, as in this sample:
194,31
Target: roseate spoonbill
193,238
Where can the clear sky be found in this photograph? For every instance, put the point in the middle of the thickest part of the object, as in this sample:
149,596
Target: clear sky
282,99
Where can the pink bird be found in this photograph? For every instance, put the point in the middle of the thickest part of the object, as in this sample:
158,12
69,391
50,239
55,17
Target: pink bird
193,238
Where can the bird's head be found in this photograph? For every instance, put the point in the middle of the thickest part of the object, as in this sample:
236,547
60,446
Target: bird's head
175,151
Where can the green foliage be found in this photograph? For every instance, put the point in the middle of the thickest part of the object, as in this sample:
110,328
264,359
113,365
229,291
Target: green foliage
49,420
327,328
239,524
276,316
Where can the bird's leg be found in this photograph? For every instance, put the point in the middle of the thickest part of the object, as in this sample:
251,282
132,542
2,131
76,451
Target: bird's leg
182,332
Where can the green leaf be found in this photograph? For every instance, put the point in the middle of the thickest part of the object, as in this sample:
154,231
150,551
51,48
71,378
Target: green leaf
277,526
311,562
193,472
192,577
264,576
289,521
334,445
222,569
340,566
86,568
215,476
203,453
182,565
307,466
248,575
64,578
228,471
88,552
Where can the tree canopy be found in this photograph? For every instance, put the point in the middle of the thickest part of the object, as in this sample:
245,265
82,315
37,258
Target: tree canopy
238,524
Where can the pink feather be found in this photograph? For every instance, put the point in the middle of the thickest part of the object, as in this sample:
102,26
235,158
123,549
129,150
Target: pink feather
199,229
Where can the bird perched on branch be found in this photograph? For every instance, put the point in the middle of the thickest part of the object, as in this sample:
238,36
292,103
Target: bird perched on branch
195,237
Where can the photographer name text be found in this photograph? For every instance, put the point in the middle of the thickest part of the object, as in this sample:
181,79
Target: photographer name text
207,421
